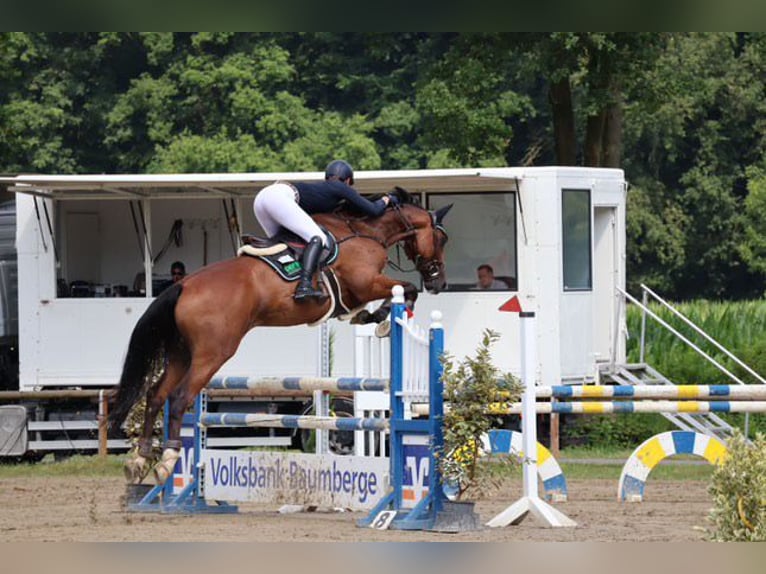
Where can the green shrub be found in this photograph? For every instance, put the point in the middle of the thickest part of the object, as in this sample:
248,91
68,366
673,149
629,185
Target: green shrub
738,487
617,430
470,387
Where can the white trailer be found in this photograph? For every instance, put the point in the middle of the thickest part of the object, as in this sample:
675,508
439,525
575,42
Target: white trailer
94,250
555,234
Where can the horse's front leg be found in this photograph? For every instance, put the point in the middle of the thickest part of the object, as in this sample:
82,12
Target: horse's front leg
384,310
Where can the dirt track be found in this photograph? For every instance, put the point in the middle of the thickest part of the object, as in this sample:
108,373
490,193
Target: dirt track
90,509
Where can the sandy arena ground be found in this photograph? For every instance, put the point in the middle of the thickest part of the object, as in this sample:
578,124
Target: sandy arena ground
75,509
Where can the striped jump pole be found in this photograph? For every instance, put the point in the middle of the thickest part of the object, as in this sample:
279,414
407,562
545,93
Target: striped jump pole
646,406
678,392
292,422
620,407
303,384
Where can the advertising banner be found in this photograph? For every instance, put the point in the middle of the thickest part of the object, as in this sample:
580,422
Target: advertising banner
354,483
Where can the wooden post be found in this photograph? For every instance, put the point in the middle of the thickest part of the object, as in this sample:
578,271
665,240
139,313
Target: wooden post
103,412
554,432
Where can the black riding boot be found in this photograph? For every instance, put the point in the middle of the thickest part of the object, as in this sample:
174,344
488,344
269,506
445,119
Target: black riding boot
309,263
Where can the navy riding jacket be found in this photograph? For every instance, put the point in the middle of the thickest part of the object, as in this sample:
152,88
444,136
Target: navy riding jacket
325,196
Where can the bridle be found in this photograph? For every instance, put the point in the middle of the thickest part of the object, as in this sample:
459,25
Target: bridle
429,269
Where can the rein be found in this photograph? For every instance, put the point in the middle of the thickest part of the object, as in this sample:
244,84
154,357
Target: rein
387,242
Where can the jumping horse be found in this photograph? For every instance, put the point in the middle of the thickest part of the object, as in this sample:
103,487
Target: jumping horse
195,326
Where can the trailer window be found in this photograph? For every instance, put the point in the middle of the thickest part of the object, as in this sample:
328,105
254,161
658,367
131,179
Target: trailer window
102,247
482,231
576,237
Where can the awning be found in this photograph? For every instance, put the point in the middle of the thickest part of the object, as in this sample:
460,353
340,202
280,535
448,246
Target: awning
233,185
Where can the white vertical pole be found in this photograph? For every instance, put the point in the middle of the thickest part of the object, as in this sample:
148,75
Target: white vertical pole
530,501
321,399
529,415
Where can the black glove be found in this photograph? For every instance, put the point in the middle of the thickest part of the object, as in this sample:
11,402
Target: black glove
393,199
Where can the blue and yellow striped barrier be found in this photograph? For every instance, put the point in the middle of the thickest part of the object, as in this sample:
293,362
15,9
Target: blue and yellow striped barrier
655,449
548,469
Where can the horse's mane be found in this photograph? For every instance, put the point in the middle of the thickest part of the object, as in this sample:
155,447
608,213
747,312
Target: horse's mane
404,197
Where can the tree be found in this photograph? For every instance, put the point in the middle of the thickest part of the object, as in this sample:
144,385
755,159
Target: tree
591,72
695,130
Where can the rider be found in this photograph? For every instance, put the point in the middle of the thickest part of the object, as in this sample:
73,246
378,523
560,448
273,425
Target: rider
289,205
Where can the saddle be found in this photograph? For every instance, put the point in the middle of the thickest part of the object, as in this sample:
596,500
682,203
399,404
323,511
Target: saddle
283,254
284,251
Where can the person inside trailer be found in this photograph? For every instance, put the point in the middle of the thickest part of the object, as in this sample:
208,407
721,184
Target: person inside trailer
177,271
486,279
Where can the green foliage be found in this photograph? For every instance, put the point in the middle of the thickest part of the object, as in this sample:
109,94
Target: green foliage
753,249
738,487
470,386
712,236
613,431
468,103
684,111
655,233
738,326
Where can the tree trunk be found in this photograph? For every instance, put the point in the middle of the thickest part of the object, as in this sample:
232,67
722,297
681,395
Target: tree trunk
594,138
612,147
560,96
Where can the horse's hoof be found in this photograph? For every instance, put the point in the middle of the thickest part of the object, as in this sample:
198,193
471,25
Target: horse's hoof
135,470
361,318
383,329
164,469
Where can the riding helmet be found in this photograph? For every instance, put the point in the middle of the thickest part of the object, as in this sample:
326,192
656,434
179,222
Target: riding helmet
340,170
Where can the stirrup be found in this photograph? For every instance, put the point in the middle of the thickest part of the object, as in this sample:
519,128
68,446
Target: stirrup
305,292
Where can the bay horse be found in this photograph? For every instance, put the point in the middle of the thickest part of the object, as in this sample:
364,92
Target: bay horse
193,327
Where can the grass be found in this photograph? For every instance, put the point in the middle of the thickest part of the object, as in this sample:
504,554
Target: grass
76,465
607,463
739,326
577,463
602,463
666,470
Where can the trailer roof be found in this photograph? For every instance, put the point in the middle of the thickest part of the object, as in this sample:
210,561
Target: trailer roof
216,185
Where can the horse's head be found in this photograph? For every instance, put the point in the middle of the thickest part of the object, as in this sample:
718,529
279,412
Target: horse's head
424,239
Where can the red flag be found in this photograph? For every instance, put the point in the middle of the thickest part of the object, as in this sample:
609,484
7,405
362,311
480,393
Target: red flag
512,305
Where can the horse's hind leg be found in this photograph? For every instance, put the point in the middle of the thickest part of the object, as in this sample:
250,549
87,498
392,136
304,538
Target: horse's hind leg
138,467
191,384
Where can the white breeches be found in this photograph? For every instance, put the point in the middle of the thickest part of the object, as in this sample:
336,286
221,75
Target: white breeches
276,206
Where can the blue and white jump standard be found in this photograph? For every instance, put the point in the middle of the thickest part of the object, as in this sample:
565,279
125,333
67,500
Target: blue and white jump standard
404,430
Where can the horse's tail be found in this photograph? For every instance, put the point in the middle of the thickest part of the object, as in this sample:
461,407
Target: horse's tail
153,335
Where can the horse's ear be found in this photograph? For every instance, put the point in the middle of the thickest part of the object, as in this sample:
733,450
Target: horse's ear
441,212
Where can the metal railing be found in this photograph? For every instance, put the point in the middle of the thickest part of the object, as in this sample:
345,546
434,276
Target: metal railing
645,311
644,306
